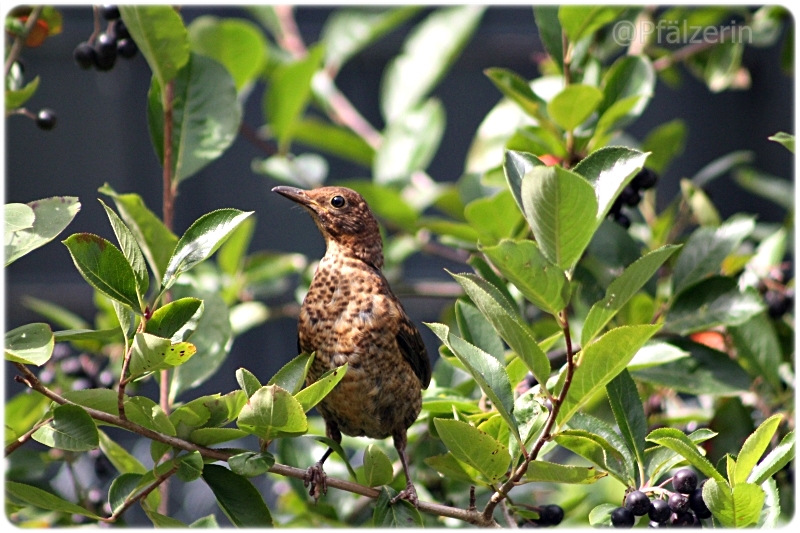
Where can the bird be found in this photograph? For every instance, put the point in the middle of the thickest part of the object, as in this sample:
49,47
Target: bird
350,315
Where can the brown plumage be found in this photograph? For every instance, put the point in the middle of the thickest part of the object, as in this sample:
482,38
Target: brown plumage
351,316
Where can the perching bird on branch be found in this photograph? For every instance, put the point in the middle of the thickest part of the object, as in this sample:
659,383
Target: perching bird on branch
351,316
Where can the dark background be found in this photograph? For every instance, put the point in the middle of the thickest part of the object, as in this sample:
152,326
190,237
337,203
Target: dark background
102,136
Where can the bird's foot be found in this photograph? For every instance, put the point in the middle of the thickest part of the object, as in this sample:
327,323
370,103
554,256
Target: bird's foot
317,480
408,494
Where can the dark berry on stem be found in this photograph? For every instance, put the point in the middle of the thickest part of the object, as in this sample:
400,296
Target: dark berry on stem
630,196
680,519
120,30
126,48
638,503
623,220
616,207
659,511
778,303
684,481
84,55
698,505
622,518
645,179
551,515
106,49
678,502
46,119
110,12
656,525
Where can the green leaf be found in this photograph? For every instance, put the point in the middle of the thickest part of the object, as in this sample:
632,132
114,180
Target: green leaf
177,320
609,170
104,267
131,250
377,467
17,98
475,329
336,447
232,253
596,450
31,344
248,381
206,116
774,461
739,506
664,144
251,464
18,217
164,521
600,516
785,139
123,461
622,290
654,354
55,313
753,448
399,515
560,207
151,353
771,511
721,166
485,369
155,240
774,189
161,36
190,466
758,348
308,171
315,392
71,429
723,64
678,442
494,218
52,215
347,31
201,240
213,436
293,374
515,166
573,105
45,500
122,488
237,497
614,118
600,362
430,49
410,142
334,140
580,21
145,412
516,88
628,412
454,469
629,76
272,411
474,447
238,44
22,412
550,31
700,204
289,92
713,302
386,203
659,459
546,472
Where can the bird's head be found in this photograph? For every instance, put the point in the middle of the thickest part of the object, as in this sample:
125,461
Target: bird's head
344,219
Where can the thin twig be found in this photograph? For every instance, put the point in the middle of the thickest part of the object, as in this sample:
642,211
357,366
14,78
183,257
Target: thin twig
26,437
19,41
289,38
682,54
512,524
141,496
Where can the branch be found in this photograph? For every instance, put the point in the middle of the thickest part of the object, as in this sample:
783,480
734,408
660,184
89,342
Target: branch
26,437
19,41
682,54
141,496
29,379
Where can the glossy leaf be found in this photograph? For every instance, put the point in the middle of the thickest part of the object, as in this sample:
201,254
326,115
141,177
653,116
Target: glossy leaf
447,465
516,88
475,329
659,459
515,166
130,249
51,216
45,500
721,166
713,302
237,497
17,98
700,204
205,114
550,31
251,464
547,472
177,320
161,36
399,515
622,290
248,381
377,467
237,44
581,21
775,189
17,217
573,105
293,374
428,52
629,76
151,353
271,411
600,362
758,347
122,488
316,392
145,412
605,431
560,207
214,436
334,140
753,448
594,449
201,240
409,143
31,344
628,412
72,429
775,460
654,354
123,461
678,442
474,447
494,218
785,139
739,506
22,411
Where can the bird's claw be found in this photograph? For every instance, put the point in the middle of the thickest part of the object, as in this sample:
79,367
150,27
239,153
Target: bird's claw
409,494
318,481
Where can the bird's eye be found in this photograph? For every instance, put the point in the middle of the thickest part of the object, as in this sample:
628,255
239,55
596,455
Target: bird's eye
337,201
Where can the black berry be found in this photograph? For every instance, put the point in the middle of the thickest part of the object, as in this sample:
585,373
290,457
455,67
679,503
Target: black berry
550,515
645,179
638,503
46,119
616,207
110,12
623,220
119,29
656,525
84,55
680,519
684,481
678,502
630,196
126,48
106,49
622,518
698,505
659,511
778,303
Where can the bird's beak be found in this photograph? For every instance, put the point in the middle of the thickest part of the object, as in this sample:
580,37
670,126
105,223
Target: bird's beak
294,194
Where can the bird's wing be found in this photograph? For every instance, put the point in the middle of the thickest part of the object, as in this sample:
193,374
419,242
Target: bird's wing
413,349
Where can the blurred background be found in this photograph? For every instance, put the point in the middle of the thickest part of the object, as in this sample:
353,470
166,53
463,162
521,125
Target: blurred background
102,136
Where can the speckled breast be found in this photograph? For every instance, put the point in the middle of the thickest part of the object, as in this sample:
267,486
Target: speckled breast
350,316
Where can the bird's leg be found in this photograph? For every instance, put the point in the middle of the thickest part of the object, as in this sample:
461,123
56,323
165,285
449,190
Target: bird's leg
315,475
409,493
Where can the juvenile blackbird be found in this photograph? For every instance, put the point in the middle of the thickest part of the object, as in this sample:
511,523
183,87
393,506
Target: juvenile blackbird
351,316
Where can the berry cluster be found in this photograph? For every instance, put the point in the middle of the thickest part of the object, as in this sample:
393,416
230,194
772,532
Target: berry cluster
631,195
683,508
101,52
549,515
